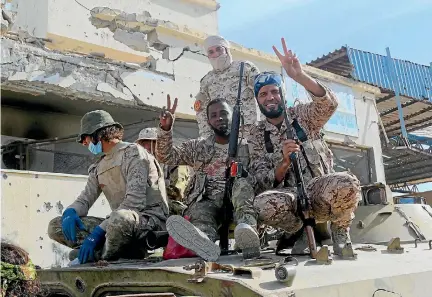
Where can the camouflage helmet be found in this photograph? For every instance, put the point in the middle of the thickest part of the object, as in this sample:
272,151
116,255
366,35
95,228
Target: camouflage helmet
93,121
147,134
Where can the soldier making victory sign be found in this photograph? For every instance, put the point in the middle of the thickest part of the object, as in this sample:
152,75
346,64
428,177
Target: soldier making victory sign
333,196
205,191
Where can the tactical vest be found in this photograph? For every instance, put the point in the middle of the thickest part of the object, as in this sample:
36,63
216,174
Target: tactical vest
315,153
113,182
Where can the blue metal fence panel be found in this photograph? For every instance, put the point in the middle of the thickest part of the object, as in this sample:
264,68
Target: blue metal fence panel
415,80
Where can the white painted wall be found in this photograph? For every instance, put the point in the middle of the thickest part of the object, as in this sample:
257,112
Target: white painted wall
30,200
28,15
68,18
152,88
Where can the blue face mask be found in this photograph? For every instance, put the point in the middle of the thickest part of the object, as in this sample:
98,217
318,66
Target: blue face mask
95,149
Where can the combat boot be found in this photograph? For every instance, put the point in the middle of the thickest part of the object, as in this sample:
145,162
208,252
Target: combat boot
247,239
301,246
190,237
73,254
340,237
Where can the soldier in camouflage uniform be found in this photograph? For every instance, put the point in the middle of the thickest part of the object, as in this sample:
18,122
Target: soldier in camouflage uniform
176,177
334,196
134,186
222,82
205,192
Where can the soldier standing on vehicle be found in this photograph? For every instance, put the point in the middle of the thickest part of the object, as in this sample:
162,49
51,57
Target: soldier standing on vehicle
222,82
134,186
176,177
205,192
334,196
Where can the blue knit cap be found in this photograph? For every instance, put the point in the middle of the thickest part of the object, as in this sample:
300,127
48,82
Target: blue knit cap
266,78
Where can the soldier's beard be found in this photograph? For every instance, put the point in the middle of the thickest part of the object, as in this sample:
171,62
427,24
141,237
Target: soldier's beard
222,132
273,113
222,62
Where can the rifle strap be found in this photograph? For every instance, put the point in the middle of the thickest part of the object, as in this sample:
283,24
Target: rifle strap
307,161
270,147
267,141
302,136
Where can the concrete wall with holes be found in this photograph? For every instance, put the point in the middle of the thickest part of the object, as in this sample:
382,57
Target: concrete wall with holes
77,19
30,200
126,25
158,36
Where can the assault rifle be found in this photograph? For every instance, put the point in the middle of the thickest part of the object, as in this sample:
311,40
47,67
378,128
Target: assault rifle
303,201
234,169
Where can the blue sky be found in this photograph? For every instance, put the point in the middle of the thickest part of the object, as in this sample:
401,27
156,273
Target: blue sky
313,28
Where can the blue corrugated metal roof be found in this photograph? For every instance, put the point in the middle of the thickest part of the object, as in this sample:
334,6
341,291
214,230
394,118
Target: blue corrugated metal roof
415,80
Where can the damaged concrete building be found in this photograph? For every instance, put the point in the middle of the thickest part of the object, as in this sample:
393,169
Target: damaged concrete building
61,59
56,66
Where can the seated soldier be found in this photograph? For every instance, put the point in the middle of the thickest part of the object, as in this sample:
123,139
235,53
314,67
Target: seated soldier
333,196
176,177
133,184
205,192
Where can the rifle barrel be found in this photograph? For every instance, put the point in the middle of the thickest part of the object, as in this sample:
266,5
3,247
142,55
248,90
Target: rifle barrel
303,202
232,153
311,241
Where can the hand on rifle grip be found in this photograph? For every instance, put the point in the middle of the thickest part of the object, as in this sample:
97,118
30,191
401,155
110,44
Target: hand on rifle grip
289,146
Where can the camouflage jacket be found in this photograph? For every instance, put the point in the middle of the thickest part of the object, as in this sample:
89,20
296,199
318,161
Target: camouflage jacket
205,156
266,142
224,84
130,178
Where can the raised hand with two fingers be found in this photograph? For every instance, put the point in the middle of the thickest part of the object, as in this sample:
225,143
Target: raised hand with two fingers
289,61
166,118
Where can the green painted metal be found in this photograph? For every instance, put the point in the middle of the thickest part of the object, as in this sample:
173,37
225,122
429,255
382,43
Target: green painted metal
96,282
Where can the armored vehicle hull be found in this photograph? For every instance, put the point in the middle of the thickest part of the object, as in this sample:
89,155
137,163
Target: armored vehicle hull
400,266
376,272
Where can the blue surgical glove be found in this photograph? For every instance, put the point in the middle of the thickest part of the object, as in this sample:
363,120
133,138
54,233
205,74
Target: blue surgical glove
90,243
70,220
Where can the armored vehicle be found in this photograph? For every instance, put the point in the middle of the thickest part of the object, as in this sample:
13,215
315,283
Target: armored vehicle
392,246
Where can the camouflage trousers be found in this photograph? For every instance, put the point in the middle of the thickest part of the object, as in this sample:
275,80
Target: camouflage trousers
175,190
125,234
334,197
205,212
